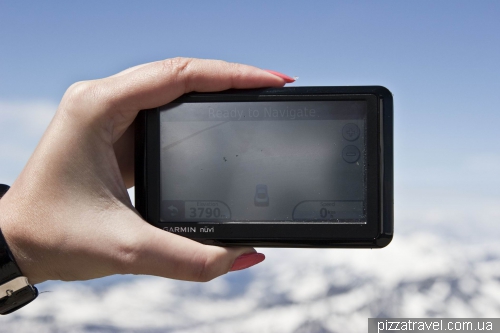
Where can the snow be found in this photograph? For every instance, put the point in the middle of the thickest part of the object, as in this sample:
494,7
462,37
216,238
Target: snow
294,290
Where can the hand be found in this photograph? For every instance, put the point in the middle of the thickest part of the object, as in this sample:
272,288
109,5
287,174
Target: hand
69,217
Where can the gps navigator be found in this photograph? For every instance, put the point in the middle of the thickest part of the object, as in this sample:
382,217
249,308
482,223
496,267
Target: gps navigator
289,167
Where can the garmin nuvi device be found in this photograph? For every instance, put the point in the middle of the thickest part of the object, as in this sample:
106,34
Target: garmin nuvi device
280,167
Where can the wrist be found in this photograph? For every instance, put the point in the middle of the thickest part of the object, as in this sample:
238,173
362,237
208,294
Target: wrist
15,290
15,238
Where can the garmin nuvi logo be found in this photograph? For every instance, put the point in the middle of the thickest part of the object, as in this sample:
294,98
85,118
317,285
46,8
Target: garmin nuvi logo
189,229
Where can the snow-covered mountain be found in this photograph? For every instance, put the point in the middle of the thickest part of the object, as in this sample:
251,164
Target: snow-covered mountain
294,290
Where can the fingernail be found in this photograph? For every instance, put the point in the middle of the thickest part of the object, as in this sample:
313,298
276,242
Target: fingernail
247,260
287,78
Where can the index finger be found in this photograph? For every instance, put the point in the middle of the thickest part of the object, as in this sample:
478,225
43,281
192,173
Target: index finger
120,97
159,83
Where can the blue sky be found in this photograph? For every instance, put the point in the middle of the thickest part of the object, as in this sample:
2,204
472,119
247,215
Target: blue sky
440,59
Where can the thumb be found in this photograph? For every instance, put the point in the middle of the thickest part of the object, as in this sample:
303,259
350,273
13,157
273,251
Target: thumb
165,254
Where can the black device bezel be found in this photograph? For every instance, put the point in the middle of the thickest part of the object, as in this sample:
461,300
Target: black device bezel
379,150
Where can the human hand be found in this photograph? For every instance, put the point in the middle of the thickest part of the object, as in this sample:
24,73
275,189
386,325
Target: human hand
68,216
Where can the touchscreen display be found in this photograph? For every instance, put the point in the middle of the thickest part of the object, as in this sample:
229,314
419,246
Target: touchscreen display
289,161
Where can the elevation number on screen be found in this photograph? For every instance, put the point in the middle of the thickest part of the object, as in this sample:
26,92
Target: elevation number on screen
204,212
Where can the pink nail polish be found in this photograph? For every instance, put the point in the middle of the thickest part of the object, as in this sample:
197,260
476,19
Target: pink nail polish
247,260
287,78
